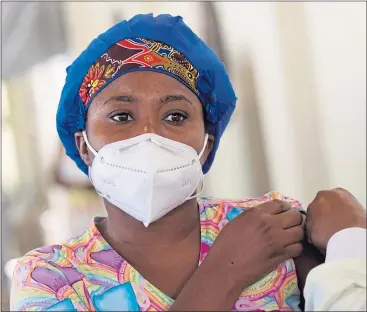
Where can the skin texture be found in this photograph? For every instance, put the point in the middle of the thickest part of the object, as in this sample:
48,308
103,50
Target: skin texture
330,212
276,233
149,102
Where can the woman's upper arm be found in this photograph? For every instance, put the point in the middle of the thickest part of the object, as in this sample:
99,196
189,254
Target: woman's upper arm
39,285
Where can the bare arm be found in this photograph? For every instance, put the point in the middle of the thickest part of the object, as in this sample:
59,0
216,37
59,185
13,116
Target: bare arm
209,289
229,267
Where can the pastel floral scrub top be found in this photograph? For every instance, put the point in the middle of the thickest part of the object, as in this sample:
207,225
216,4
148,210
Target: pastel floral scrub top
86,274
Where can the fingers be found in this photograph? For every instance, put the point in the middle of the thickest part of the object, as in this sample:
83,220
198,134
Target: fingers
289,219
308,224
293,250
304,217
293,235
275,207
326,193
290,251
345,195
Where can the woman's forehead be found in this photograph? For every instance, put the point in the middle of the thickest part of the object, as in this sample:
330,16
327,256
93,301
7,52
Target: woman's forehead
146,83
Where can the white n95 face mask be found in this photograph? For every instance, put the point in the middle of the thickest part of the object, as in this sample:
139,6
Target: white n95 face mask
146,176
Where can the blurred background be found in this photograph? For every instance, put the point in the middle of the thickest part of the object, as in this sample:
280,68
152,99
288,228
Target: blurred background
299,71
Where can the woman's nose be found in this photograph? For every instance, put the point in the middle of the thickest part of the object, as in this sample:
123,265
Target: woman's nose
148,125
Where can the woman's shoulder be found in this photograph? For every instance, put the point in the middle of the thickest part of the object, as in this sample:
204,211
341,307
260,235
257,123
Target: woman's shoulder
65,254
44,279
222,209
51,272
40,265
43,253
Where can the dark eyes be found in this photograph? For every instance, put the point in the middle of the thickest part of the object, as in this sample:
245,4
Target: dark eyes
122,117
175,118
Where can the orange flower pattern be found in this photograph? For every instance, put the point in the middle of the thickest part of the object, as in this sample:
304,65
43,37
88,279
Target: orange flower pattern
92,82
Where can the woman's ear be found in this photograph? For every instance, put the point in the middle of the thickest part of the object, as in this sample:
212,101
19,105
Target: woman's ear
82,147
208,149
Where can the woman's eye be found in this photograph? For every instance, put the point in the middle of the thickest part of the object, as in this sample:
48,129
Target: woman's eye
176,118
122,117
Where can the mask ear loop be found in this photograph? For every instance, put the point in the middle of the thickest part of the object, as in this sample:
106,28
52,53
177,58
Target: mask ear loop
88,145
202,180
198,193
89,167
205,143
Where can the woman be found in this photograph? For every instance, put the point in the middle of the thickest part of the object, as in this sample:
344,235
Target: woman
142,112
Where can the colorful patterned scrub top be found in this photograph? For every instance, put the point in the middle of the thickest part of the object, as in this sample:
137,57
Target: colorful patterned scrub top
86,274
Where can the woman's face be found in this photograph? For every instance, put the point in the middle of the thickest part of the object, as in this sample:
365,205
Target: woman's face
144,102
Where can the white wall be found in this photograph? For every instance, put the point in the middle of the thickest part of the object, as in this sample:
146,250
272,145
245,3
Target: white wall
252,39
338,35
309,63
83,29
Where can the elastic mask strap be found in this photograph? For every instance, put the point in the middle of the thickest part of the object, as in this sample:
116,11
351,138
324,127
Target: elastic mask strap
91,181
89,146
202,181
198,193
205,143
89,176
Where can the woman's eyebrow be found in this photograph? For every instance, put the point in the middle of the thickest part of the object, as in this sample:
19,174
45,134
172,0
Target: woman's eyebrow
164,100
121,98
173,98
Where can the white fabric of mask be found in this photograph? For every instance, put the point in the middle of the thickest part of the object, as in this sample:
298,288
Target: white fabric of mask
146,176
